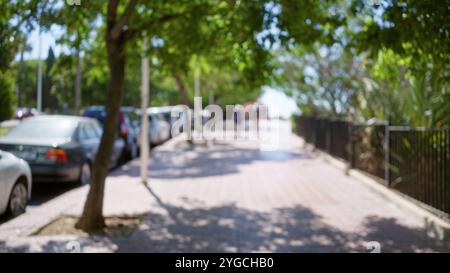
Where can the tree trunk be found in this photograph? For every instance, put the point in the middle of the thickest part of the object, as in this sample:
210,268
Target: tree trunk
92,217
182,90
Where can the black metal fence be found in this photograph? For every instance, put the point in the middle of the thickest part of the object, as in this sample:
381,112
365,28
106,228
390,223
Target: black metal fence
415,162
320,131
419,163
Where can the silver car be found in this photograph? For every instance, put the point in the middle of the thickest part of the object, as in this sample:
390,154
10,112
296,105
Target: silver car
159,128
15,184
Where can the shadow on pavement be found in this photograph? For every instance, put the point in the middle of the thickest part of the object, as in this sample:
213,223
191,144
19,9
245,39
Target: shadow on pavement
229,228
42,193
4,218
194,161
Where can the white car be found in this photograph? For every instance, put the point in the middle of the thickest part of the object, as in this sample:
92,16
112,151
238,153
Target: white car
159,128
15,184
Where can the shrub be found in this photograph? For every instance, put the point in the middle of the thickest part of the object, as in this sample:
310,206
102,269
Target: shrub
7,96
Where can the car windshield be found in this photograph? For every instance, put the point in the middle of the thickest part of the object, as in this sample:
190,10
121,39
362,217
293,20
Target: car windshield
44,128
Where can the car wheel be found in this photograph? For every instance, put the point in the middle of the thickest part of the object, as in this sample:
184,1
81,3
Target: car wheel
85,174
18,199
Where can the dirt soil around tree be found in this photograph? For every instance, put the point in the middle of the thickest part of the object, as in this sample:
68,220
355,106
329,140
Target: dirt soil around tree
116,226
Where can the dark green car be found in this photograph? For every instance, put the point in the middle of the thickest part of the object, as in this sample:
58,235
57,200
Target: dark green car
58,148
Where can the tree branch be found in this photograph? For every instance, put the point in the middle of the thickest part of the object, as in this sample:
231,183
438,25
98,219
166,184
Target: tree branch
112,10
132,32
116,31
168,18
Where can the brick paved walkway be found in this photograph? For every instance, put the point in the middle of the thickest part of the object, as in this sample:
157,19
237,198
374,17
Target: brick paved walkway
233,197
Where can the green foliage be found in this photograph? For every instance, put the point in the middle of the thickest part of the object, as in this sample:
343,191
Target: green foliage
7,96
341,84
229,38
218,33
63,75
394,64
26,81
3,131
323,81
410,43
420,29
309,21
15,18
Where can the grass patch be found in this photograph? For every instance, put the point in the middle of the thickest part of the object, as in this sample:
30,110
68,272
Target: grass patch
4,130
115,227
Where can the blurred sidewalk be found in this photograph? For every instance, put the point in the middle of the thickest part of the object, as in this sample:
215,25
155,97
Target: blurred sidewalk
230,196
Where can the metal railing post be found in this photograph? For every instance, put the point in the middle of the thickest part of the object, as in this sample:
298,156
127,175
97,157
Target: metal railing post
351,153
387,155
328,136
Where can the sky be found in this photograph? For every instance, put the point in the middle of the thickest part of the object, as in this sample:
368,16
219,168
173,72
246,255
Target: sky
47,40
277,99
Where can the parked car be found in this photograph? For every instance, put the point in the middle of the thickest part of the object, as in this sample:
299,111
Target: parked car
164,111
162,120
127,130
24,112
159,128
15,184
7,125
58,148
132,116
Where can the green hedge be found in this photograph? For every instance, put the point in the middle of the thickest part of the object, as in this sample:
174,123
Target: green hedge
7,96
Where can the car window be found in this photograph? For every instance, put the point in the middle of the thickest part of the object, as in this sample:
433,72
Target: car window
159,118
98,129
44,128
127,120
91,132
167,116
134,119
82,135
